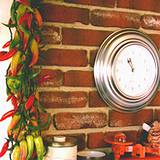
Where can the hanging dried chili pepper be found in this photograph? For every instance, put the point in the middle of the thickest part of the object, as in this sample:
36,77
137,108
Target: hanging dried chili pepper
6,55
7,115
14,102
25,2
9,97
38,17
29,102
35,52
6,44
26,19
4,148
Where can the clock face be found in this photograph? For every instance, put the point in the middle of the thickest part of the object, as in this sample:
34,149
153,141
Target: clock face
127,70
134,70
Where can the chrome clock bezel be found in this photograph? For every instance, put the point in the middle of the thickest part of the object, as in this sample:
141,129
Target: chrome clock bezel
103,69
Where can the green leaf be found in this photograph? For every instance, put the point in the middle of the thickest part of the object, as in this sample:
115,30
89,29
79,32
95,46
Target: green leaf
9,25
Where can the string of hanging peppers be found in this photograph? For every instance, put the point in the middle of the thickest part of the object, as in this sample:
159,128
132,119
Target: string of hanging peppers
24,139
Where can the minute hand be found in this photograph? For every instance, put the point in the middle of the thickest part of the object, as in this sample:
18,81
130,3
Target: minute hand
129,60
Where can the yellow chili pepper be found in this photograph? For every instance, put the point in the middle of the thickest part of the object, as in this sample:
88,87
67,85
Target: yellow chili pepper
16,59
13,123
23,150
16,153
35,52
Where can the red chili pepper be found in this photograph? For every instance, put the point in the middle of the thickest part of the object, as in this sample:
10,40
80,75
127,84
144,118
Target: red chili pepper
29,22
6,44
44,78
4,148
26,19
9,97
14,102
37,38
26,2
29,102
8,114
6,55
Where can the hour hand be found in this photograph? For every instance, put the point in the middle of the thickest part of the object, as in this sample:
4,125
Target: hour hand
129,60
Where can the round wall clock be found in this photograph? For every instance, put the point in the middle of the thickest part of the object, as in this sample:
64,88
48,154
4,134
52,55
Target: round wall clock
127,70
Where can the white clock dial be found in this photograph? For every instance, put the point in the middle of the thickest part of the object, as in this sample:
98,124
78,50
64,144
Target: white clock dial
134,70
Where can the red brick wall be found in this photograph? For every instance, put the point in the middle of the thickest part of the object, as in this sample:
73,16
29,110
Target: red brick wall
73,30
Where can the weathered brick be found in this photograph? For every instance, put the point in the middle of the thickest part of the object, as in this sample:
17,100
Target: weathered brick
114,19
58,13
117,119
83,36
95,100
156,100
79,78
55,78
51,35
67,120
64,57
97,140
149,5
45,121
50,30
63,99
150,22
79,138
106,3
93,54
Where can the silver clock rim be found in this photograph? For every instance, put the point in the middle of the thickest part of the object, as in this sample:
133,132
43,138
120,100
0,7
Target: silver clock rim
103,64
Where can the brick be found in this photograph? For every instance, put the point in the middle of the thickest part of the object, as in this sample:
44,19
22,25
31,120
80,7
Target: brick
156,100
58,13
97,140
103,3
55,78
79,78
50,30
83,36
64,57
51,35
149,5
114,19
125,3
117,119
78,138
157,115
63,99
93,54
69,121
150,22
95,100
44,120
156,39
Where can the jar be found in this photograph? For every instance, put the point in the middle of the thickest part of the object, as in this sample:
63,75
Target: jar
62,148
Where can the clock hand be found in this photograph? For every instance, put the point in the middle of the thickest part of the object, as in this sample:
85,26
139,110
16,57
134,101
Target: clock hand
129,60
